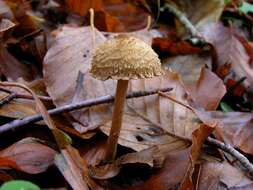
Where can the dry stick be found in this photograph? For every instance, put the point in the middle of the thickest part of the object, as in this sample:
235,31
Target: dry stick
18,123
229,149
183,19
225,147
25,96
7,99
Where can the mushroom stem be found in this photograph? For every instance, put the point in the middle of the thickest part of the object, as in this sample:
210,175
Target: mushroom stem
117,116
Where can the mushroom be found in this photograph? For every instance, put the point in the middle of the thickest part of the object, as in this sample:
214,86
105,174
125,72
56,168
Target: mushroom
123,58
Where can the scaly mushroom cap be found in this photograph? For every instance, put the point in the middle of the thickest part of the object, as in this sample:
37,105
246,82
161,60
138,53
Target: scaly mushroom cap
125,58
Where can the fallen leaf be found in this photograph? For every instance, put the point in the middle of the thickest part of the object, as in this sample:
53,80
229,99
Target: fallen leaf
234,128
74,169
168,177
188,66
5,24
81,8
215,175
154,157
11,68
229,50
164,46
202,92
29,155
198,138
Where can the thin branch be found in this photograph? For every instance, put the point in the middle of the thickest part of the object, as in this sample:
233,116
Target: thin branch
183,19
7,99
24,96
233,152
18,123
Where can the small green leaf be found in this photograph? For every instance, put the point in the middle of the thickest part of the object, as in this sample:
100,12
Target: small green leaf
225,107
246,8
227,1
19,185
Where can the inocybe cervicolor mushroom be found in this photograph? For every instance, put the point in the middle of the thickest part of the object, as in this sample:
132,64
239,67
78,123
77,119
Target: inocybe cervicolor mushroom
123,58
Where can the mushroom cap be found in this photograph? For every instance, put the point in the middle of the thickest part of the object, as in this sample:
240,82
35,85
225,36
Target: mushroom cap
125,57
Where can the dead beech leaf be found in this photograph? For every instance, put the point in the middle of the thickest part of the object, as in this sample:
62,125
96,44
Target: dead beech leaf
202,92
75,169
234,128
11,68
29,155
70,54
5,25
171,47
229,50
198,138
188,66
154,157
82,8
144,117
216,175
17,108
169,176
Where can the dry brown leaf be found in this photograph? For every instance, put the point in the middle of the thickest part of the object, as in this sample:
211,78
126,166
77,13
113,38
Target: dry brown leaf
188,67
30,155
75,170
198,138
202,92
234,128
168,177
229,50
216,175
11,68
5,24
154,157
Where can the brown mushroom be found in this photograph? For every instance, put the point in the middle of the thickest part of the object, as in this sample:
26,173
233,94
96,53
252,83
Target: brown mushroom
123,58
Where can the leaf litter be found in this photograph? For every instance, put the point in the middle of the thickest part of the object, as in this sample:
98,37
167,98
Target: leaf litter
208,63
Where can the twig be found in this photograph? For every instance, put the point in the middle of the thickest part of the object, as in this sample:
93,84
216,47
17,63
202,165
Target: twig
18,123
24,96
229,149
7,99
183,19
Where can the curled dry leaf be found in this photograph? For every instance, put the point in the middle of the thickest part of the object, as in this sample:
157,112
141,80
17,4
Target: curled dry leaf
198,138
29,155
229,50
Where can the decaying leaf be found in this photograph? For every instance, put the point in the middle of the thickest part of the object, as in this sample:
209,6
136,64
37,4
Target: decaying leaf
234,128
202,91
29,155
11,68
216,175
198,138
229,50
75,170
